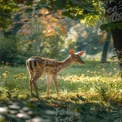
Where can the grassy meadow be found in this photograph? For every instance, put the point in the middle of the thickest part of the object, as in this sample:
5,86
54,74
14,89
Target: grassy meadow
88,93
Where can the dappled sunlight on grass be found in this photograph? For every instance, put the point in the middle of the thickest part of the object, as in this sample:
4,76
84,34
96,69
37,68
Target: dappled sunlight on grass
91,91
91,78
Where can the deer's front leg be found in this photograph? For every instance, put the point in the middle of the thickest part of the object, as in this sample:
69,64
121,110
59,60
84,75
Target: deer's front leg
48,84
55,83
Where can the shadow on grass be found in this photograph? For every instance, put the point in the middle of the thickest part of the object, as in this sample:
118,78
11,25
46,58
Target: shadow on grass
63,109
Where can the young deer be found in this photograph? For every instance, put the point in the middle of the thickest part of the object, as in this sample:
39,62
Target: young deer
38,65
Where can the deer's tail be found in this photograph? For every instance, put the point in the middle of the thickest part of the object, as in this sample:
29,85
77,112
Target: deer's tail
31,64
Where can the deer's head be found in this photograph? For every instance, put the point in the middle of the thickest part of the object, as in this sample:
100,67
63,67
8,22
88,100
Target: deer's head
76,56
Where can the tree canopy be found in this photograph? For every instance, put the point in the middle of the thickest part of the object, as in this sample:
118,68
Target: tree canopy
76,9
89,11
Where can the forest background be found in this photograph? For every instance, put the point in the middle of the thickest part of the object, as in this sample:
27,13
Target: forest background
40,28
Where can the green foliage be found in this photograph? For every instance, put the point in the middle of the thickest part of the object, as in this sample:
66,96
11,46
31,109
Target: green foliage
52,47
11,51
88,11
8,49
77,9
6,9
60,4
108,26
91,10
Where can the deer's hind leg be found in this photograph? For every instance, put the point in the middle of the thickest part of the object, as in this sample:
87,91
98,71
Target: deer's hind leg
37,75
31,75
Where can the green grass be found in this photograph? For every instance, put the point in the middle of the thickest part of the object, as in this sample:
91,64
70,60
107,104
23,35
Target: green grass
92,90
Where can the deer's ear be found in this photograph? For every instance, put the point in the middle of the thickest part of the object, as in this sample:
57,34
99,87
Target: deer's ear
71,51
81,53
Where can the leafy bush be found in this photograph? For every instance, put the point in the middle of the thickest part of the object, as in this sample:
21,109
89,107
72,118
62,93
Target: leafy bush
8,49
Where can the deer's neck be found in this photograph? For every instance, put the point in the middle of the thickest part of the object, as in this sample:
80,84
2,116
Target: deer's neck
66,63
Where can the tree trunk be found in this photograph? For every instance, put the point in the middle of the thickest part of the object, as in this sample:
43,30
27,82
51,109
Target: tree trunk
105,49
117,38
114,18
